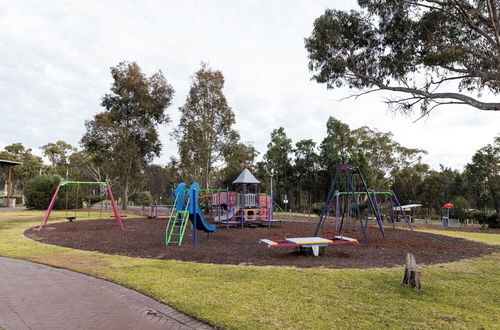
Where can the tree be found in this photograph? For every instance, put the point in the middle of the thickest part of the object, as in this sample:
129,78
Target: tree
58,154
31,167
440,187
408,183
205,132
306,169
83,166
237,157
460,209
417,48
337,146
383,155
483,174
124,138
278,160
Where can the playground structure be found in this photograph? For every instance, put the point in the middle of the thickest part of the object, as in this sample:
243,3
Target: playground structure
385,205
351,195
309,245
186,207
344,204
66,183
244,206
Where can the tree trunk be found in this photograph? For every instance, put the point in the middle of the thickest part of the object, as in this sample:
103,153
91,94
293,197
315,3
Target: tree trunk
125,194
494,198
412,274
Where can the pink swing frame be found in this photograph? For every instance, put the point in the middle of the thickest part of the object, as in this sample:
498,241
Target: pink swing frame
46,216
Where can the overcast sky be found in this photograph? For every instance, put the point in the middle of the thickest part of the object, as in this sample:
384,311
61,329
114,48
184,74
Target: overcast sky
55,58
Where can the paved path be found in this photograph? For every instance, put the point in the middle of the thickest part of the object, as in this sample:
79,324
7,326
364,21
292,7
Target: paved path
34,296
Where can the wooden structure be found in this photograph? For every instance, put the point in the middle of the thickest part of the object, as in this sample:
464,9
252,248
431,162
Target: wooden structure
9,178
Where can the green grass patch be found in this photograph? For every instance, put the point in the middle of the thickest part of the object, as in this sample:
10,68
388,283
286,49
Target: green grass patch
464,294
491,239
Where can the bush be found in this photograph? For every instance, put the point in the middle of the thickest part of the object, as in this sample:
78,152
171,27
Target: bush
318,207
39,191
491,220
142,198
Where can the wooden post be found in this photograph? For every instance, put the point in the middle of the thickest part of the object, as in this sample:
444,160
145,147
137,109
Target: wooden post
412,274
9,186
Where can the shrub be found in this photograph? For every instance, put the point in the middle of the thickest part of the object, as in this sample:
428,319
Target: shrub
39,191
142,198
318,207
493,220
484,219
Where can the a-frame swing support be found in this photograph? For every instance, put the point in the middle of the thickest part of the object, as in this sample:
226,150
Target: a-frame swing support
46,216
333,194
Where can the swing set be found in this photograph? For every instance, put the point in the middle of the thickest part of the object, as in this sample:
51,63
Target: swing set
343,206
66,183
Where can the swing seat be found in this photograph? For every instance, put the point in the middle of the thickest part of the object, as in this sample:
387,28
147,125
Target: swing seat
70,219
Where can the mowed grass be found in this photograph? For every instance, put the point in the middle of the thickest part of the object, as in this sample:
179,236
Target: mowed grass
485,238
464,294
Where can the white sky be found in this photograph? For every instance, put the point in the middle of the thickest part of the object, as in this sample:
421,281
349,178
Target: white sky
55,58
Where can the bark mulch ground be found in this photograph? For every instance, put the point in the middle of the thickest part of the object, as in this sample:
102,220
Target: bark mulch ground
146,238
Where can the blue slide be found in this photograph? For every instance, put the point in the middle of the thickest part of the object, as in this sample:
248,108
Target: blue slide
180,197
196,215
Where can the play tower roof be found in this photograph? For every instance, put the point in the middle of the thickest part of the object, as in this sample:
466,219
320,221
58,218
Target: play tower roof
246,177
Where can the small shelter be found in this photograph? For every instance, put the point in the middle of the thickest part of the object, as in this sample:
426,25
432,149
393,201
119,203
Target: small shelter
8,182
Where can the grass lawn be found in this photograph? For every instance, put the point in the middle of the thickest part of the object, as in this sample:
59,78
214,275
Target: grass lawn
464,294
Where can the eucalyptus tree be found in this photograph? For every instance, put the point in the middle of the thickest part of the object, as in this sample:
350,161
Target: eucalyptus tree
32,165
205,133
482,175
431,52
58,154
123,138
278,159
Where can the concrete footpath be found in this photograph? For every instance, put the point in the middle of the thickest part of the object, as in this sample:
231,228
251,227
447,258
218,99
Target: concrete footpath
34,296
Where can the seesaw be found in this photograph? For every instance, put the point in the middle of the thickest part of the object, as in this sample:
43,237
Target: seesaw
309,242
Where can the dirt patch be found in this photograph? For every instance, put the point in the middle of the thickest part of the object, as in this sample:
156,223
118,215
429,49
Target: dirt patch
146,238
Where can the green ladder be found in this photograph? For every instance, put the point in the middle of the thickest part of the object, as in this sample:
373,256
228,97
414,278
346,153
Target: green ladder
176,227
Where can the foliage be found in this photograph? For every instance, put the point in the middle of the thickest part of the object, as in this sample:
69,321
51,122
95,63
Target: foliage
142,198
460,209
485,219
237,157
338,145
84,166
31,167
411,47
58,154
39,191
124,138
482,176
408,182
278,161
205,135
493,220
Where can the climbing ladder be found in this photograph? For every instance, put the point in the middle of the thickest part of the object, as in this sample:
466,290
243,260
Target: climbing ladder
177,226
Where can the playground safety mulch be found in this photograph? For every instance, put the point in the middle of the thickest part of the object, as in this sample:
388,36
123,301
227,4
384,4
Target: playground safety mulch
146,238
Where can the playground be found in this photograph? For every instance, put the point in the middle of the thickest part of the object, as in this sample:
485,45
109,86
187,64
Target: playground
145,238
